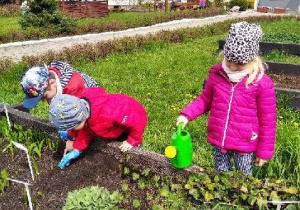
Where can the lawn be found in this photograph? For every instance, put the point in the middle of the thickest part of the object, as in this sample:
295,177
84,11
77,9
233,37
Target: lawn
112,22
165,78
8,24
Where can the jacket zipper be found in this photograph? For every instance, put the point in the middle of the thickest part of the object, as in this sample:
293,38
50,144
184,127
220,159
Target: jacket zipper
229,108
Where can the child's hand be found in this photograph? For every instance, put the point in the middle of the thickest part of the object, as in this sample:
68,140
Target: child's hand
69,146
182,119
260,162
125,146
66,160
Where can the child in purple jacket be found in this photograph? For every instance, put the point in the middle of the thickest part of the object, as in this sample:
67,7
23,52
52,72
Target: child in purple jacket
242,103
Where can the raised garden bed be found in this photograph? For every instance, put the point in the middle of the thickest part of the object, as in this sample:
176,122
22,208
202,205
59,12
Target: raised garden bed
102,164
149,177
267,47
286,76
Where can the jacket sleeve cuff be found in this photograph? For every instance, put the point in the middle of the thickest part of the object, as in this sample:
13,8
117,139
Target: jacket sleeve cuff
184,114
133,142
266,155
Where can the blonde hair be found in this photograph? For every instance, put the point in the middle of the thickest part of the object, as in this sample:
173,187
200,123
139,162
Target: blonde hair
256,70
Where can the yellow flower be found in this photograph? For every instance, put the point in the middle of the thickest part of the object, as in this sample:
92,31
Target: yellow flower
296,124
280,117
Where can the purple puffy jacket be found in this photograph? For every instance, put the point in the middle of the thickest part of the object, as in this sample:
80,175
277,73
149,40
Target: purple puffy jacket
241,119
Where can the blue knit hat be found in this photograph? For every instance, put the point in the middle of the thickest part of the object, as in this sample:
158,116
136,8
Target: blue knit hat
67,111
34,81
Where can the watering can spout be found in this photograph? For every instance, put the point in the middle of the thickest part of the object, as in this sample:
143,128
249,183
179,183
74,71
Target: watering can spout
181,151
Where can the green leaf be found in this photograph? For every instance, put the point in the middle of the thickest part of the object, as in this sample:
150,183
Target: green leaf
290,190
164,192
244,188
244,196
194,193
136,203
126,171
261,202
208,196
210,186
146,172
251,200
135,176
274,196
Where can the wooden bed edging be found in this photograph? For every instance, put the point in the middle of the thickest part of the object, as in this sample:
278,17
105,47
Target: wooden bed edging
139,158
267,47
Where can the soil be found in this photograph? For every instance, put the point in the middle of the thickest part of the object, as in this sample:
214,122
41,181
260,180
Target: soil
286,81
50,188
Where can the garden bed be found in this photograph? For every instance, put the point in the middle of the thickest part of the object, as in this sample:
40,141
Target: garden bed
51,186
286,76
267,47
102,164
286,81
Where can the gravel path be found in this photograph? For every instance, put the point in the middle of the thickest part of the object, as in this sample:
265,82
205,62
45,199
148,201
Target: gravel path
15,51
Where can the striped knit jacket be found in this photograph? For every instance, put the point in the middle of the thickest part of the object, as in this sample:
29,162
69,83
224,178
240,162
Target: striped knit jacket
72,82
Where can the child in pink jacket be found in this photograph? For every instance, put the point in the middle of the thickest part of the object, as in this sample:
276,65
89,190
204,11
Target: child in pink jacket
242,103
96,113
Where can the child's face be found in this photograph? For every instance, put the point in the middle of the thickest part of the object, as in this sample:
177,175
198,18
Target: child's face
49,91
235,67
80,126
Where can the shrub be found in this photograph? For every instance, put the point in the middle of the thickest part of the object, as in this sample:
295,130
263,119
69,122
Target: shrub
243,4
5,64
92,198
219,3
9,10
46,14
3,2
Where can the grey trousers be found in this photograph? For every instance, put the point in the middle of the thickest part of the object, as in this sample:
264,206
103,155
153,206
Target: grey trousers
242,162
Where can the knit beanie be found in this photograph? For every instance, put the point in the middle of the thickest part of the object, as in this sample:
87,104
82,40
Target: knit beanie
242,43
67,111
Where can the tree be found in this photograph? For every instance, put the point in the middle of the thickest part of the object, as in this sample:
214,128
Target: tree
46,14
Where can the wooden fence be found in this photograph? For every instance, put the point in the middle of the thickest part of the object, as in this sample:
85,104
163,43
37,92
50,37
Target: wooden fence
85,9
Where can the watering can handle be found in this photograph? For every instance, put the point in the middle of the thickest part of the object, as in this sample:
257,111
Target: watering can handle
179,129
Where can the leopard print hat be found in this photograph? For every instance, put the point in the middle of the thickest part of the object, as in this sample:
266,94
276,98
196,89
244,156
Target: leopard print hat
242,43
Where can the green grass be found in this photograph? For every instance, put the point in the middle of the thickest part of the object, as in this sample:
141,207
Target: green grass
8,24
121,17
282,31
280,56
165,78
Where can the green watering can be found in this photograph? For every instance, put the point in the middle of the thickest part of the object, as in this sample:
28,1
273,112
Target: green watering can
181,150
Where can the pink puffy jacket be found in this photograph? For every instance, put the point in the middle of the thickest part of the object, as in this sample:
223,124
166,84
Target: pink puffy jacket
241,119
